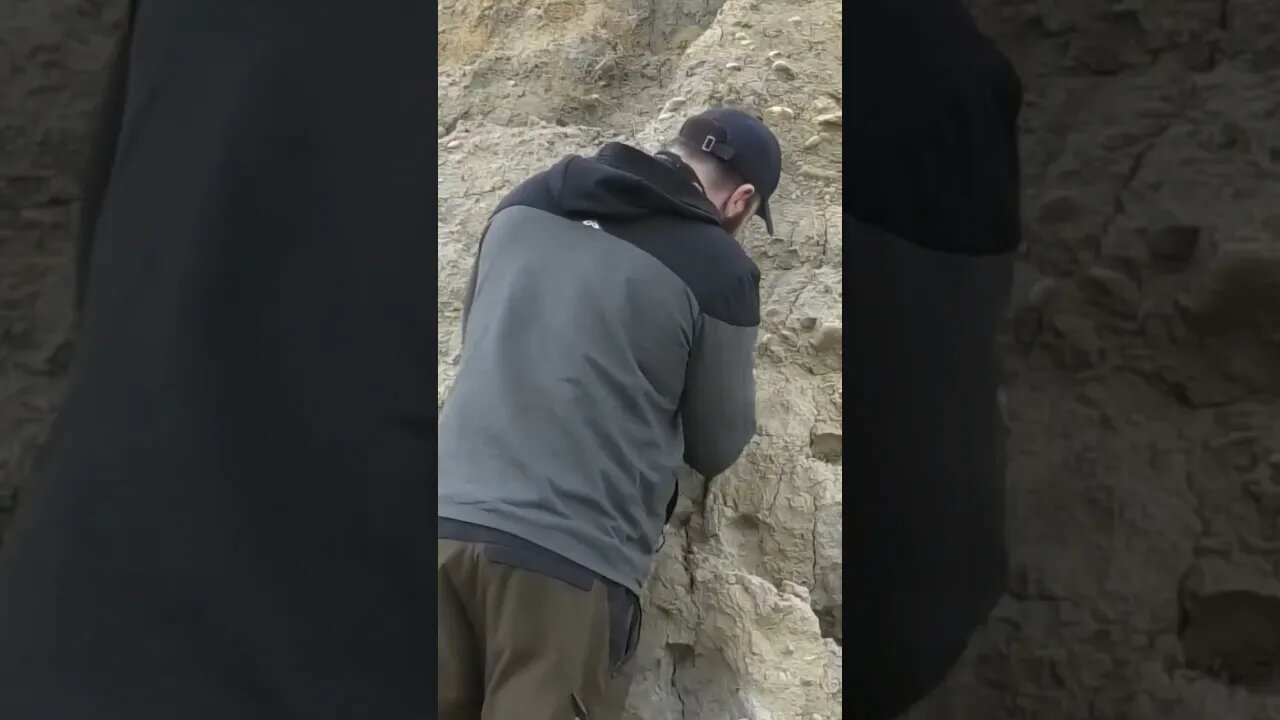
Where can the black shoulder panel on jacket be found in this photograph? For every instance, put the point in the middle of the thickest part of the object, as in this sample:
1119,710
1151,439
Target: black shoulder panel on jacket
709,260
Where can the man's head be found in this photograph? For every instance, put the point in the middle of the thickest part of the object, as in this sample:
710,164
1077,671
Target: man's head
738,161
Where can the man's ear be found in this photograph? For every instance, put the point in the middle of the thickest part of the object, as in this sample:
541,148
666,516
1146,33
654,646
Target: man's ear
743,197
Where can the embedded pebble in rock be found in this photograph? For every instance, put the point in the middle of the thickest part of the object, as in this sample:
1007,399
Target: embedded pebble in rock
812,142
784,69
1041,292
829,338
795,589
827,442
604,72
1232,620
1176,244
1114,288
674,104
779,113
819,174
835,119
823,107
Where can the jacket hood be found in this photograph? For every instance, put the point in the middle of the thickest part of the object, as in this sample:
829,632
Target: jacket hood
622,182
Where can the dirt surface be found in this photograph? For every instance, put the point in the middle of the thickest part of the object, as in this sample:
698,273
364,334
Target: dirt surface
1142,360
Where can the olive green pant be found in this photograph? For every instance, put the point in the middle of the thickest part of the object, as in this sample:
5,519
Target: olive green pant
522,645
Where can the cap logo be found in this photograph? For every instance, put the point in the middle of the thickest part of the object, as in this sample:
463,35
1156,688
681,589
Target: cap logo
709,143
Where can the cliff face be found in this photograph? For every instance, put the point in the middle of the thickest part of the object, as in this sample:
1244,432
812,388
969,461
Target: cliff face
1142,358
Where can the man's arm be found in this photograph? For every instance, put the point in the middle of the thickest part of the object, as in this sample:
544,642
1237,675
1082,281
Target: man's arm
469,294
719,403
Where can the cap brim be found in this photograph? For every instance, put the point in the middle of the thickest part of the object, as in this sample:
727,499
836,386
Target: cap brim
763,213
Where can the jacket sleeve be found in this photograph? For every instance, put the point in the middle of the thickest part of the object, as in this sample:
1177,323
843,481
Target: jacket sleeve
718,409
469,295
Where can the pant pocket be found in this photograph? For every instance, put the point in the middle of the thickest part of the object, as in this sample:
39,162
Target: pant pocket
625,621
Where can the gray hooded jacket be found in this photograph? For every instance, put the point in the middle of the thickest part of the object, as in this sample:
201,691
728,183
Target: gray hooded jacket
609,337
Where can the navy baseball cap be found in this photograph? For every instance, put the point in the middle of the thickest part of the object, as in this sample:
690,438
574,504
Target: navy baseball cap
745,144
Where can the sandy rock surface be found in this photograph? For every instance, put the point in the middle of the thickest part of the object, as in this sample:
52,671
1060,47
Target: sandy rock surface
1142,358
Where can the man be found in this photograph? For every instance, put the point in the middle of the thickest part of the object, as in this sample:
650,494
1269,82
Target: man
609,334
234,517
932,225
